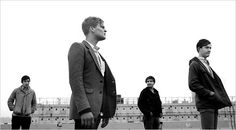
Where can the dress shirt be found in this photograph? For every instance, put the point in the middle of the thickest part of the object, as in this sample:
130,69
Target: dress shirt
99,59
206,64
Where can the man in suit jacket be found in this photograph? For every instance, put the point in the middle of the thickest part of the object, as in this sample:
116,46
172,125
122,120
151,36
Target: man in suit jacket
92,83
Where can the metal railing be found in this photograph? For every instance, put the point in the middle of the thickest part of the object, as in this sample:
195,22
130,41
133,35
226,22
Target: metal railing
123,100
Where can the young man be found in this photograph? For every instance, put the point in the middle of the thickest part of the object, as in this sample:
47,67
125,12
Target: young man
150,105
210,94
22,102
92,83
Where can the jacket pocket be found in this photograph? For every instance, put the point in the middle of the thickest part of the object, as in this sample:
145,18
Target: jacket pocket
89,90
216,100
17,110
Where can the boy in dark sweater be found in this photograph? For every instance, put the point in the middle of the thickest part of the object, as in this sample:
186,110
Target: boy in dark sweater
150,105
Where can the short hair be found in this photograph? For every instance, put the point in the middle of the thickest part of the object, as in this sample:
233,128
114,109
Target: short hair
90,22
150,77
25,77
201,43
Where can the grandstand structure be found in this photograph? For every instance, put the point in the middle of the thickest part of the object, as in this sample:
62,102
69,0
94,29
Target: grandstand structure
180,112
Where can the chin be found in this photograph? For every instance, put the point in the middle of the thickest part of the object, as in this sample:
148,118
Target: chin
101,38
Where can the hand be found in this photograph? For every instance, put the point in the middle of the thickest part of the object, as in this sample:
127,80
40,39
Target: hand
161,114
105,121
212,93
87,120
151,114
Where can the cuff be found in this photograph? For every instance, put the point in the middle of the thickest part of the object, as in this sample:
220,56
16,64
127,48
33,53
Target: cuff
85,111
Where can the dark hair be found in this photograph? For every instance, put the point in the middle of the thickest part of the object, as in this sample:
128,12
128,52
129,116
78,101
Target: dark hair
25,77
201,43
150,77
90,22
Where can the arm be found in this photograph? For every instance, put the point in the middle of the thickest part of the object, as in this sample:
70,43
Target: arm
195,84
142,104
159,105
76,66
33,103
76,69
11,100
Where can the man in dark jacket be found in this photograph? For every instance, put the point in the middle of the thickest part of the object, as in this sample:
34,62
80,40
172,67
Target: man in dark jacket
150,105
210,94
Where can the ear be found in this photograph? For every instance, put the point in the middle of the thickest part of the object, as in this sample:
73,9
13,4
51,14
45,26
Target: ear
198,49
91,29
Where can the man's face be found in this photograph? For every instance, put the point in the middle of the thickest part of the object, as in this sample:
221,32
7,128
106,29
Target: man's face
205,51
26,83
150,83
100,32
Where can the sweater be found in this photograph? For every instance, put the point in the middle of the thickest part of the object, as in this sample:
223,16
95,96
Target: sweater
149,102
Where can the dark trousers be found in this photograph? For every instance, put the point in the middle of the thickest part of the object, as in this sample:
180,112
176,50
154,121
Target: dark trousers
79,126
151,122
19,121
209,118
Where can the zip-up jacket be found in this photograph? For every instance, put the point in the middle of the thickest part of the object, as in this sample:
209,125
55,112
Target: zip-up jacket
22,103
202,83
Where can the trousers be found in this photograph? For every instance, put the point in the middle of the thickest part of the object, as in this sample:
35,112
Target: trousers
209,118
79,126
20,121
151,122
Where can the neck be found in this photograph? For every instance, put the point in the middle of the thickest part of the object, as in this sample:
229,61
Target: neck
202,56
92,40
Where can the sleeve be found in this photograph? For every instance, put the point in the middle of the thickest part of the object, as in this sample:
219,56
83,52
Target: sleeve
159,103
34,103
194,82
76,67
11,100
142,104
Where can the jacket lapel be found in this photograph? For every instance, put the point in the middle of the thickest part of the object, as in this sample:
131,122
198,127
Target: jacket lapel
205,68
92,54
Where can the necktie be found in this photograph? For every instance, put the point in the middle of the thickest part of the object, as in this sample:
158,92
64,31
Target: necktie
209,68
99,59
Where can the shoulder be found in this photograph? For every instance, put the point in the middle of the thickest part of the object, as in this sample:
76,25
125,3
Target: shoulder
17,89
76,48
144,91
77,45
32,91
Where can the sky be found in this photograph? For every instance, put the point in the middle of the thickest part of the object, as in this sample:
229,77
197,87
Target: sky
143,38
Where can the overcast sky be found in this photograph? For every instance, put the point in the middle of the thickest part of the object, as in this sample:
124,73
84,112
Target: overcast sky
143,38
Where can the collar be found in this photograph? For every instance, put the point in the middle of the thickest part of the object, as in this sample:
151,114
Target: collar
201,58
204,60
96,48
24,88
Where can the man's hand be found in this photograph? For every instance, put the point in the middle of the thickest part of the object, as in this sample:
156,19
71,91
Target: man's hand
87,120
105,121
212,93
161,114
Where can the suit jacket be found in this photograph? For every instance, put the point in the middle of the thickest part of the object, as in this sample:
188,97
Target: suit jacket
90,90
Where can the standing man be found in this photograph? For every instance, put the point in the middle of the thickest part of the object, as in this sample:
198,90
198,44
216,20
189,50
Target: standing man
92,83
150,105
22,102
210,94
